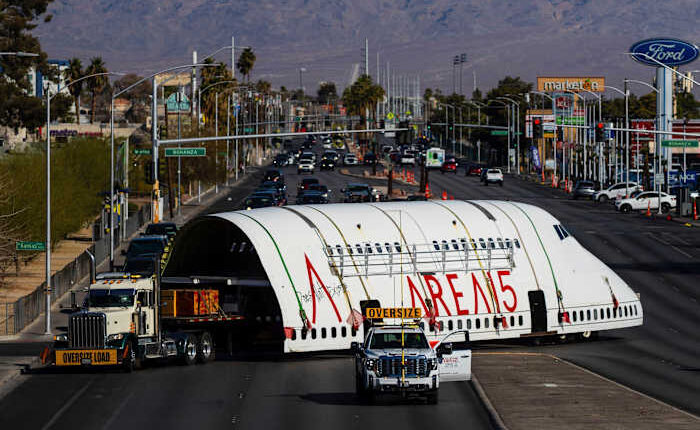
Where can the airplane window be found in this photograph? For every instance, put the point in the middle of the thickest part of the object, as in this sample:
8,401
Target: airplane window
486,323
602,313
252,248
473,242
588,315
492,244
477,321
313,333
561,236
595,314
607,312
350,249
339,249
500,242
574,314
303,334
387,246
329,250
459,324
445,246
625,310
512,321
449,325
454,244
353,332
580,315
343,331
334,332
378,247
517,243
233,246
463,241
368,248
294,334
508,243
242,248
469,324
520,320
563,231
359,248
435,245
323,332
482,242
397,246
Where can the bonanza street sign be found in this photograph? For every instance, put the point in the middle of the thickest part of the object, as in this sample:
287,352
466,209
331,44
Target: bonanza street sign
185,152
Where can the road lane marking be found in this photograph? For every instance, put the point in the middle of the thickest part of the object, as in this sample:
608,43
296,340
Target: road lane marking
658,239
117,411
67,405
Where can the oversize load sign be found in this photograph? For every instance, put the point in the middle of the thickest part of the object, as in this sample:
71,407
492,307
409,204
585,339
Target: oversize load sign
575,84
406,313
669,52
97,357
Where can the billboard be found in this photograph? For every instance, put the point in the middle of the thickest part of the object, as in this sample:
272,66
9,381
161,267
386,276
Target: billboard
575,84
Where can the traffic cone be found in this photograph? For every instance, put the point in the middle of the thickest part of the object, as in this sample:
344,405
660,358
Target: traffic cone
444,195
648,208
695,211
427,191
452,197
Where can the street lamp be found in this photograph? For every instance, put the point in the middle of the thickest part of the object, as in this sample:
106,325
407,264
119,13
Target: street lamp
48,183
301,81
626,94
19,54
517,134
447,133
508,119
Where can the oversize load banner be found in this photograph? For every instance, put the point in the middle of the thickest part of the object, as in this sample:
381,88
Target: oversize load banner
405,313
575,84
87,356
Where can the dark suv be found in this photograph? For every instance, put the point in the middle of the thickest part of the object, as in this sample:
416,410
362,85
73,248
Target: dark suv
355,193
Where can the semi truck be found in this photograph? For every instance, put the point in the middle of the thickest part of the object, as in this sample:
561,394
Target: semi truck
126,320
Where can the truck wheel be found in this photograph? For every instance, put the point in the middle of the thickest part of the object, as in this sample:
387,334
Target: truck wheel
189,350
665,207
433,398
205,348
129,362
625,208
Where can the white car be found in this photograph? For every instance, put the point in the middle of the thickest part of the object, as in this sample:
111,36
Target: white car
494,176
648,199
615,192
327,143
350,159
408,157
305,165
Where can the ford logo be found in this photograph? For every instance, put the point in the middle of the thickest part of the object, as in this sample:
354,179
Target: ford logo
670,52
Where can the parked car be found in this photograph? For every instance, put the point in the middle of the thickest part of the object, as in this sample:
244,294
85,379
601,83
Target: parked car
584,189
350,159
494,176
370,158
648,199
615,191
449,166
408,157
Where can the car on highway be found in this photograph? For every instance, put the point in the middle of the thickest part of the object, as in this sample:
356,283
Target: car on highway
273,175
369,159
320,188
355,193
168,229
646,200
305,183
143,266
449,166
615,191
327,143
584,189
408,158
333,155
306,163
350,159
260,200
311,197
327,164
280,160
146,246
273,185
473,170
493,176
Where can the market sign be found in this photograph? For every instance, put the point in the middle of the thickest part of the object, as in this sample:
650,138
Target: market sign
575,84
669,52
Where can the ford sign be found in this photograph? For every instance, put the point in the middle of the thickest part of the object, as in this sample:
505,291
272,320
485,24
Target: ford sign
669,52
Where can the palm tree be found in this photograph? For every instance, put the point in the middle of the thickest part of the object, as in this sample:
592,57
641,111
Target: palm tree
75,71
96,84
246,61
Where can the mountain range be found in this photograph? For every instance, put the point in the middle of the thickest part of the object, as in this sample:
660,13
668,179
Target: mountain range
523,38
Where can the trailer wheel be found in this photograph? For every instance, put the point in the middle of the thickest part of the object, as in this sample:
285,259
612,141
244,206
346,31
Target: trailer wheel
189,350
205,348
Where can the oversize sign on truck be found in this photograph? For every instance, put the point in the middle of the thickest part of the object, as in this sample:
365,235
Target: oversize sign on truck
95,357
405,313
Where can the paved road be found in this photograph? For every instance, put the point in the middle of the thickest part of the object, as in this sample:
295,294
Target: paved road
660,259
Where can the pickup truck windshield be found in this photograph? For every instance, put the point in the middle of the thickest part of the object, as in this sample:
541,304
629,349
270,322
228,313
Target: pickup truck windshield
112,298
393,341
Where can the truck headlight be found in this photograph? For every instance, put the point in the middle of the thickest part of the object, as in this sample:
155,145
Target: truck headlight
60,338
432,364
370,363
116,336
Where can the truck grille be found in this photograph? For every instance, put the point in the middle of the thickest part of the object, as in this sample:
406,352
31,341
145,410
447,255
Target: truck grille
87,330
391,366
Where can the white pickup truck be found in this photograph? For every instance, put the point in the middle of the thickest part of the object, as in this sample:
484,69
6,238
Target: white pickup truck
494,176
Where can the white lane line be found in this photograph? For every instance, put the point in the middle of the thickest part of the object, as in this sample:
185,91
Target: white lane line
65,407
658,239
117,411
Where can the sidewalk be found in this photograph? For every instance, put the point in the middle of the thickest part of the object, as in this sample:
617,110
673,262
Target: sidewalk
540,391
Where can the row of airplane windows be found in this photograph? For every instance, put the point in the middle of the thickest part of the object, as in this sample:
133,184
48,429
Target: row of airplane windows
388,248
605,313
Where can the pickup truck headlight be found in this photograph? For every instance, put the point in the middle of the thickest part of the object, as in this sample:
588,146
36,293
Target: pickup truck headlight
432,364
371,364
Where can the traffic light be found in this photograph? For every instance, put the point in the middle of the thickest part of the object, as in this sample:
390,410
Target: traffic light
429,124
537,128
600,132
148,172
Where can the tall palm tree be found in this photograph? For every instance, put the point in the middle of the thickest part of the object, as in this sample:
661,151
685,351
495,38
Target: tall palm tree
246,61
75,71
96,84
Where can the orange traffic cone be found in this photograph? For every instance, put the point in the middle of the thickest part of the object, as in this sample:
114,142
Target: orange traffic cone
444,195
695,211
427,191
648,208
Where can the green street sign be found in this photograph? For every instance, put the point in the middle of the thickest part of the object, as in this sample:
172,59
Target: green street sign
499,132
142,151
678,143
248,130
185,152
519,133
30,246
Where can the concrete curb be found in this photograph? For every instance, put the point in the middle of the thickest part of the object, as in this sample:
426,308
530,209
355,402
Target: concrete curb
494,416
